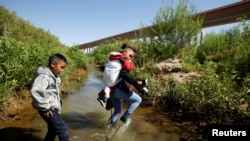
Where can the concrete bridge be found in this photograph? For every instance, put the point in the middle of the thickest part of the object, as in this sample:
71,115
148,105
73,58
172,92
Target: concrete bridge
218,16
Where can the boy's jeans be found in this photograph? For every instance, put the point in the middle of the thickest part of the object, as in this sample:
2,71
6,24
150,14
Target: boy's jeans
56,126
117,96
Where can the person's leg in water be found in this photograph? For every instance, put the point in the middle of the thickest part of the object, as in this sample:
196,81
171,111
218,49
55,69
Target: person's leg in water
56,126
116,98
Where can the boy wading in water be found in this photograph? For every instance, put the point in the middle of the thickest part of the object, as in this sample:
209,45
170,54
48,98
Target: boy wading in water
47,98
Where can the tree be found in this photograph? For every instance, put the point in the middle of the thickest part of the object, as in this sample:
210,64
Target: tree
176,28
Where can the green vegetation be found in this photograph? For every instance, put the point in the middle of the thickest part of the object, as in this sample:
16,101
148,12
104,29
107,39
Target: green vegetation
23,48
222,95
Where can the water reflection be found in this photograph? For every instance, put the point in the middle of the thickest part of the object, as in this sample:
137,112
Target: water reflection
19,134
82,111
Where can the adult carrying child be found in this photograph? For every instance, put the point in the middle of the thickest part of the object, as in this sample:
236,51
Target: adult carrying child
117,79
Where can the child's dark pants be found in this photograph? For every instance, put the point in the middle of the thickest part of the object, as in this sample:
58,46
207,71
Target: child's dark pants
56,126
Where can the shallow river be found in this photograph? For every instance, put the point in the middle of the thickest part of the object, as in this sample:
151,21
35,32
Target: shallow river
86,119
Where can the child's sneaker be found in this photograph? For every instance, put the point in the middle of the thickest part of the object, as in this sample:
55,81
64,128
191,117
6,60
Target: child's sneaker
145,90
145,82
102,100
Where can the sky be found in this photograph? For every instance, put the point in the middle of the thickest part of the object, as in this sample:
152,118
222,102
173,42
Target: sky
76,22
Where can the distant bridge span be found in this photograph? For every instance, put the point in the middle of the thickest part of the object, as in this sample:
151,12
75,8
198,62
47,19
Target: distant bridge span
222,15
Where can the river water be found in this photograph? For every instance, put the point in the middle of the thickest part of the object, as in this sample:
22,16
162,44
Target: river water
87,120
